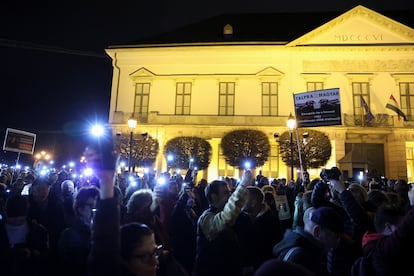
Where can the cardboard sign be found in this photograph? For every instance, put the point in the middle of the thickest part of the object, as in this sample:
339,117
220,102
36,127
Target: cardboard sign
318,108
19,141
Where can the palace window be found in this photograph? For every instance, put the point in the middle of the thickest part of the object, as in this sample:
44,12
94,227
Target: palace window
315,85
226,98
142,91
407,98
360,89
183,98
269,98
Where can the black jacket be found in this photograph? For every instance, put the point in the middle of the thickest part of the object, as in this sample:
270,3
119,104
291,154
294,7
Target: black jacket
310,252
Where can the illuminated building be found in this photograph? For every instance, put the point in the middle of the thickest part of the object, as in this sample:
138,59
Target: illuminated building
188,83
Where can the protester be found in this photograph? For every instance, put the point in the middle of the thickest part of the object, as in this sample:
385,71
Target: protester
257,228
139,210
218,251
74,242
129,249
392,240
47,211
184,228
24,244
308,246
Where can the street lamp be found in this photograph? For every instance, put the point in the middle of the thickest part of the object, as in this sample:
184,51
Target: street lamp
40,158
132,124
291,123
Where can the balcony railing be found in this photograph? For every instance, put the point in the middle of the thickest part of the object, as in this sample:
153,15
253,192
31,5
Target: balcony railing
380,120
245,120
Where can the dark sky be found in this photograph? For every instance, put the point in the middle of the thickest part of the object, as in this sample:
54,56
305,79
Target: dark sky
55,76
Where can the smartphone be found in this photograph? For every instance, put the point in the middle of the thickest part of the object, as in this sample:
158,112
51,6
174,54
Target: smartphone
100,153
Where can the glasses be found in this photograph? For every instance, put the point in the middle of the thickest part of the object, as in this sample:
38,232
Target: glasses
147,257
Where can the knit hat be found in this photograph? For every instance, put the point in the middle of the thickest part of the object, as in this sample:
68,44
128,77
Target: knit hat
327,217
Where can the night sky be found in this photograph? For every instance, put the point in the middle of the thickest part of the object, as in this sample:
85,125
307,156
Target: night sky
55,76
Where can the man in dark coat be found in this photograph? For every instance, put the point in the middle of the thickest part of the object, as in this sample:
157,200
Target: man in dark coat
258,229
308,246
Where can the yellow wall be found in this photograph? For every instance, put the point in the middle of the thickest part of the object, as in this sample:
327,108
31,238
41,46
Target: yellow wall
326,58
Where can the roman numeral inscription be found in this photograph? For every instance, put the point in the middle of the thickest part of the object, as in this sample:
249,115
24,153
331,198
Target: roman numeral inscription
358,37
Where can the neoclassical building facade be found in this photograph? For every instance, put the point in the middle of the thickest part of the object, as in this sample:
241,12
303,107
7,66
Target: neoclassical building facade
187,83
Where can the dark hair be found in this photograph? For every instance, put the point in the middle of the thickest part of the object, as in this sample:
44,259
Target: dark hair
213,188
386,214
83,195
256,193
131,236
378,198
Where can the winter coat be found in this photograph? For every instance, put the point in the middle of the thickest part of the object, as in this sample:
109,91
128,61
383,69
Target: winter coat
310,253
392,254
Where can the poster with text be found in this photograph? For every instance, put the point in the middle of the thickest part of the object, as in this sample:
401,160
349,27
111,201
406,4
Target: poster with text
19,141
282,207
318,108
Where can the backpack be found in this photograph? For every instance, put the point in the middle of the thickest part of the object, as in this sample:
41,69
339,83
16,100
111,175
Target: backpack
363,266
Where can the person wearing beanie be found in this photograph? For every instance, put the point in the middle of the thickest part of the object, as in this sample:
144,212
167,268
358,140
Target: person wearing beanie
308,246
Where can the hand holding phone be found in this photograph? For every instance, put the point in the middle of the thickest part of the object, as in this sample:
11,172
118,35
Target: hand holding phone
102,158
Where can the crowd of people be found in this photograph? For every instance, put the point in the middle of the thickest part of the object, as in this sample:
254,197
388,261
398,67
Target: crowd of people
55,225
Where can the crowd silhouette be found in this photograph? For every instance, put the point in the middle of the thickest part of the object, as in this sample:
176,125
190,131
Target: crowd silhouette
54,224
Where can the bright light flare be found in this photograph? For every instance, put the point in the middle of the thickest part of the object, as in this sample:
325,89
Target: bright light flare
88,172
97,130
162,181
361,175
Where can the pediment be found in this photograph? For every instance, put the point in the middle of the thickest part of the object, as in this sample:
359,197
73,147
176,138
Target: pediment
358,26
269,72
142,73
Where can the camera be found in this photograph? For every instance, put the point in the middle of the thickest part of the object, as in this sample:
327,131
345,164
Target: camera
333,173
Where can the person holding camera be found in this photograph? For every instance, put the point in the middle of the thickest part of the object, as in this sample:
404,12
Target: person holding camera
356,219
184,227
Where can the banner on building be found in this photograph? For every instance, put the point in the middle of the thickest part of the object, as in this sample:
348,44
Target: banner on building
318,108
19,141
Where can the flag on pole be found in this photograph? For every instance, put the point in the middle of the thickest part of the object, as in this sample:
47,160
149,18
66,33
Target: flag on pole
393,105
368,114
